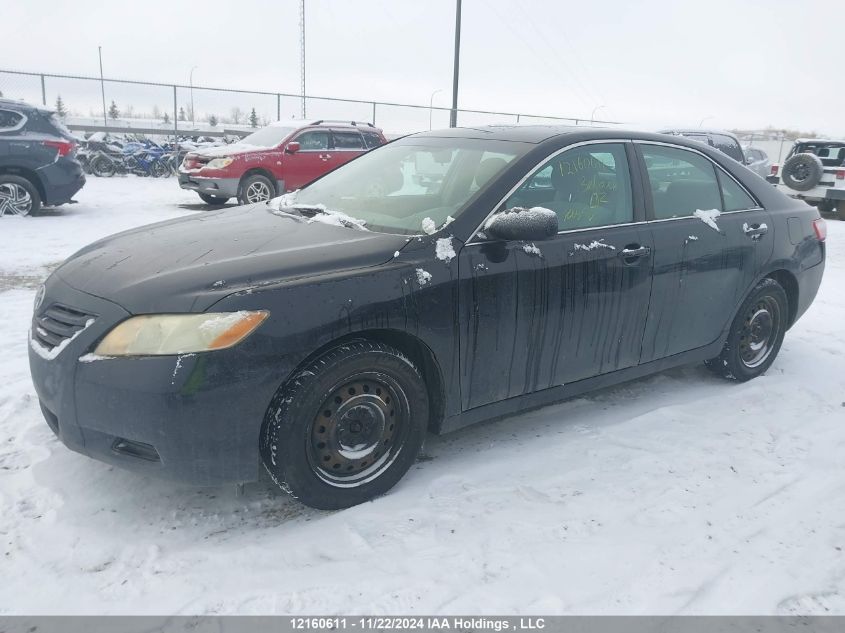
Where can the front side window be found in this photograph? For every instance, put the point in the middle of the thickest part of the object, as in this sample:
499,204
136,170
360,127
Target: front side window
10,120
313,141
347,140
587,186
681,182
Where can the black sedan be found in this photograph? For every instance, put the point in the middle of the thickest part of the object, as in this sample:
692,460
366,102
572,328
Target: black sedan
325,332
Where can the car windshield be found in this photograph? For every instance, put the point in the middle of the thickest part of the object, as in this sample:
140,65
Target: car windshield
831,154
410,186
270,136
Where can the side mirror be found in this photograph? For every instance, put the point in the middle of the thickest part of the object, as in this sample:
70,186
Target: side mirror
292,147
519,223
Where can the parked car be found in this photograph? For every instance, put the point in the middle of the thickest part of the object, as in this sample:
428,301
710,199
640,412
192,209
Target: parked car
814,171
281,157
347,320
725,142
757,161
38,166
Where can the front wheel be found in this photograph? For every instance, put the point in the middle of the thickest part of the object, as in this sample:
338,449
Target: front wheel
756,334
256,188
347,427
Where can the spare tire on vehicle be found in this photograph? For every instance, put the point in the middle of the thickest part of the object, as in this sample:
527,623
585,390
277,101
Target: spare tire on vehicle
802,172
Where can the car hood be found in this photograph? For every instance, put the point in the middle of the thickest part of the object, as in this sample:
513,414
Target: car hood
188,264
229,150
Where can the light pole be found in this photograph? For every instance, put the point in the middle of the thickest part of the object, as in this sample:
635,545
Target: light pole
707,118
453,116
596,109
431,106
191,82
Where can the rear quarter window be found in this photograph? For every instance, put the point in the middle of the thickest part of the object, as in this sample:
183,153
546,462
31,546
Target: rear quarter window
11,120
728,145
371,139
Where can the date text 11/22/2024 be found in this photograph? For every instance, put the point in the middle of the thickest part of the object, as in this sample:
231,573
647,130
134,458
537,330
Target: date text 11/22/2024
454,623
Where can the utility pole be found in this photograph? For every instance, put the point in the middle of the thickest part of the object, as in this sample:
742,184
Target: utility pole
102,85
453,116
302,53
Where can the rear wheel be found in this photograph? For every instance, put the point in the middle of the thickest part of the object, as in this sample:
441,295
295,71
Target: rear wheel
756,334
102,167
212,199
255,188
346,428
18,196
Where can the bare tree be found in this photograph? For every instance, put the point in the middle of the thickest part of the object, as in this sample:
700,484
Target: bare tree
236,114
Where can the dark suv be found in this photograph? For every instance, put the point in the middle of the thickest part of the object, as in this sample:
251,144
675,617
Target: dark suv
38,163
725,142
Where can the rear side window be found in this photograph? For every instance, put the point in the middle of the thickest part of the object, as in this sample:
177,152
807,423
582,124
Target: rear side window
727,145
313,140
736,199
10,120
371,139
348,140
681,182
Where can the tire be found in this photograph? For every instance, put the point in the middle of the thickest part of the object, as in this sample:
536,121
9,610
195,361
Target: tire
255,188
18,196
756,334
802,172
363,392
212,199
102,167
159,170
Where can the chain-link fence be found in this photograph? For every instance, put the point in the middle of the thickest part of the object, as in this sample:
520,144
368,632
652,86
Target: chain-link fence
91,103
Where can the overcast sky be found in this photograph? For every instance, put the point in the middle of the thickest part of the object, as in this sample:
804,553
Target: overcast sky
648,62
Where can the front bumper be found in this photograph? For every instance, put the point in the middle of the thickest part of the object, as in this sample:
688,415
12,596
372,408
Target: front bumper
221,187
200,414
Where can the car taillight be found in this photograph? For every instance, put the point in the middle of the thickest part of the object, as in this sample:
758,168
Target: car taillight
63,147
774,170
840,174
820,227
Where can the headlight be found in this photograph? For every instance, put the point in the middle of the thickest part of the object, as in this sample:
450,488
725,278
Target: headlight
219,163
168,334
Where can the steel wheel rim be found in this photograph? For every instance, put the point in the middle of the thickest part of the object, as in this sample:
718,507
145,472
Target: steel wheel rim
14,199
257,192
759,332
358,431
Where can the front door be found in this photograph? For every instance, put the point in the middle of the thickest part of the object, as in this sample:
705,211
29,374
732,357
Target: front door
539,315
711,239
311,161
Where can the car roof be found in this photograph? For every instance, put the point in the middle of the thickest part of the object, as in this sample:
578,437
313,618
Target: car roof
697,130
537,134
819,140
300,123
5,102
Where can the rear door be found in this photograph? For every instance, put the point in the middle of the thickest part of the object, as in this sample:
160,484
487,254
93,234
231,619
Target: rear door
310,162
711,239
539,315
347,145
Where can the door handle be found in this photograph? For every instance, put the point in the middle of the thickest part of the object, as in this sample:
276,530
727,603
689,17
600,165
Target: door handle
755,231
634,252
325,157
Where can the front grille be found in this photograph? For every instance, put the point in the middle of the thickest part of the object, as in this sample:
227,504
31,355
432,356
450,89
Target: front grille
59,323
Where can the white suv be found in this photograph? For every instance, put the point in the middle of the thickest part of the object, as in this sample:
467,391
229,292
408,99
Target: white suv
814,171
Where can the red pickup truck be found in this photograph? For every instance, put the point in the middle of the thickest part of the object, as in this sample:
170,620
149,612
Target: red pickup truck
281,157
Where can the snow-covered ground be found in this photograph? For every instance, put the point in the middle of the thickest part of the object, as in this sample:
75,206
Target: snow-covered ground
679,493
